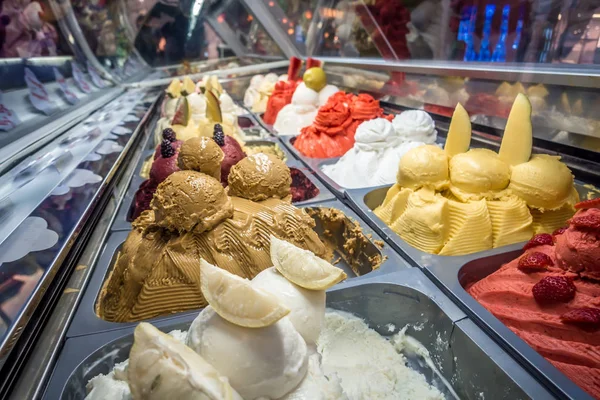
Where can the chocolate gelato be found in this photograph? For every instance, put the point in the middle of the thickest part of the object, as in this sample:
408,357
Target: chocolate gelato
260,177
201,154
192,218
190,201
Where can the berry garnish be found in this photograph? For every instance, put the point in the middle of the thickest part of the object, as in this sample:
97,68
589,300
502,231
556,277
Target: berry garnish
169,134
593,203
559,231
166,149
587,318
539,240
589,221
218,135
534,261
554,289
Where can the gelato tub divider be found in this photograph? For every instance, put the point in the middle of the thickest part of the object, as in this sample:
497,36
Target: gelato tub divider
121,223
461,353
455,278
316,165
85,320
324,193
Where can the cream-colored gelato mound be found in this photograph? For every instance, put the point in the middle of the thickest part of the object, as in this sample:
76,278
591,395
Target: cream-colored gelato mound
201,154
423,166
543,182
259,362
260,177
478,172
190,201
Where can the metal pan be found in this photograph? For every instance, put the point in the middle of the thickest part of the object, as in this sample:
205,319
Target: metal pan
86,321
474,365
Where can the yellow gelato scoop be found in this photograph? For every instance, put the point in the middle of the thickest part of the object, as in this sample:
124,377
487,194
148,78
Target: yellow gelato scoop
423,166
543,182
478,171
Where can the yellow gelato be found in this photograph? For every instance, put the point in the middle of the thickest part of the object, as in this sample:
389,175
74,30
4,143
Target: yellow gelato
477,173
424,166
454,204
543,182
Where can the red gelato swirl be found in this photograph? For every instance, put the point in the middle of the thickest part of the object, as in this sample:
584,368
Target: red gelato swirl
507,293
365,107
281,97
332,133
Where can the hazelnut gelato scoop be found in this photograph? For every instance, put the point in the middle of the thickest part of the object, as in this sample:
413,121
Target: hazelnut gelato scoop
260,177
201,154
191,201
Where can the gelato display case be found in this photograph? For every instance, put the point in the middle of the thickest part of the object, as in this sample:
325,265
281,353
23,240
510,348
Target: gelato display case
409,189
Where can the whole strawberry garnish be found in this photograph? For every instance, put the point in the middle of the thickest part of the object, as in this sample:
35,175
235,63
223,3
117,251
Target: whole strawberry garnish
554,289
166,149
534,262
586,221
218,135
540,239
559,231
583,205
169,134
587,318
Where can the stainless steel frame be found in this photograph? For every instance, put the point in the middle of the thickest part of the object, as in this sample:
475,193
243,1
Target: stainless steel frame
587,76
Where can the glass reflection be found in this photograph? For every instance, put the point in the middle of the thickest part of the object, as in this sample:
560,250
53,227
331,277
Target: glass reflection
533,31
29,29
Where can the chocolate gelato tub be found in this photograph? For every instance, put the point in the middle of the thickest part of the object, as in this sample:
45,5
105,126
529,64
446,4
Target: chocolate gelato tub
462,354
356,248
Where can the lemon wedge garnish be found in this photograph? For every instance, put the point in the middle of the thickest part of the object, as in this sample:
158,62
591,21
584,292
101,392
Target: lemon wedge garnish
302,267
236,301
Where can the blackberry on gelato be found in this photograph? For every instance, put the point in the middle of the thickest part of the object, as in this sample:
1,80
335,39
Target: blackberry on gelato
163,166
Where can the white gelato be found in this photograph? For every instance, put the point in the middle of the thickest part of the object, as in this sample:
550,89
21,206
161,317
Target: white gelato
111,386
259,362
197,104
302,110
260,89
374,158
326,93
367,365
307,306
252,95
317,386
415,126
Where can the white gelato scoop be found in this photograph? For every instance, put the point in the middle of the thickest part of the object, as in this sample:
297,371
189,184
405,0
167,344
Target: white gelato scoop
415,126
307,306
259,362
374,158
